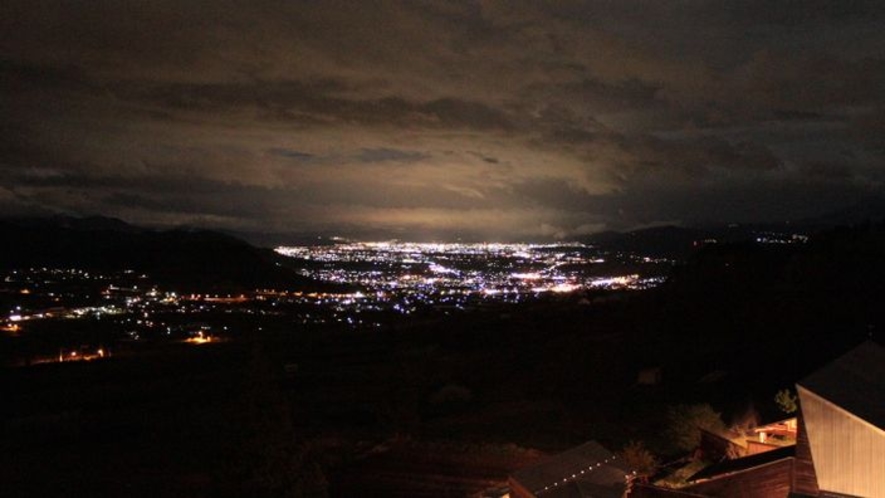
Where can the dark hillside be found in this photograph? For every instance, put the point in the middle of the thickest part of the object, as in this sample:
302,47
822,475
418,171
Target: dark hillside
186,260
764,314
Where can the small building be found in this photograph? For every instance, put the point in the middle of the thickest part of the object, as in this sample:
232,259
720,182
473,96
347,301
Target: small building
715,447
773,436
587,471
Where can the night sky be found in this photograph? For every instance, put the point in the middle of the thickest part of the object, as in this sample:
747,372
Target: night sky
433,119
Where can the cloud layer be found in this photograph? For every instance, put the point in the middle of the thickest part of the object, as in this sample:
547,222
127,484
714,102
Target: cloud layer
440,119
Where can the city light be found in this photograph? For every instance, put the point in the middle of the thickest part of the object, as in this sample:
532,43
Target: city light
428,270
377,283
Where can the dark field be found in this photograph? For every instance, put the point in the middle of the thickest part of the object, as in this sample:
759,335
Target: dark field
441,405
454,404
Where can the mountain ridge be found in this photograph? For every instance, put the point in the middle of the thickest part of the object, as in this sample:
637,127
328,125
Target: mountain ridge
180,258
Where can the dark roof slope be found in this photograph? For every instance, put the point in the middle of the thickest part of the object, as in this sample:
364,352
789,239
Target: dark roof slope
588,470
745,463
855,382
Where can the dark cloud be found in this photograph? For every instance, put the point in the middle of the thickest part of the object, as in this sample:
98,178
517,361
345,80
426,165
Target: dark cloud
501,119
384,154
488,159
292,154
826,171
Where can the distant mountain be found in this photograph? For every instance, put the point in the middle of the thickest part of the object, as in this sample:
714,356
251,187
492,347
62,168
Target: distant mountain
84,224
869,210
185,259
682,242
846,262
679,242
665,241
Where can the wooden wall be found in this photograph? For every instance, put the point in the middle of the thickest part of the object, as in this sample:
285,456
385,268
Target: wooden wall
771,480
804,478
755,447
848,453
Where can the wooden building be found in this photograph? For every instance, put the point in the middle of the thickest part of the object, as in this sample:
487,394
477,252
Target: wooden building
716,447
839,434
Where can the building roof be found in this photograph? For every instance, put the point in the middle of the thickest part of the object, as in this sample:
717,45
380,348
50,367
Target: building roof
745,463
855,382
588,470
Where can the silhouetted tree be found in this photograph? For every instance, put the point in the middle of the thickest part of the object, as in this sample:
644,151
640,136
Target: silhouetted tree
639,458
684,424
786,400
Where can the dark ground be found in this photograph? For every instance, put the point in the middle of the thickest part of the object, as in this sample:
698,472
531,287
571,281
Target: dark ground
441,406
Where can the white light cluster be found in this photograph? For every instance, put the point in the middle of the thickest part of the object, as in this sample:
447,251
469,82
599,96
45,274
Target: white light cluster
477,269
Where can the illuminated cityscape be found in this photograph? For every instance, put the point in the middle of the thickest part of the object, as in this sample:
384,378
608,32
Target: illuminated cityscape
385,279
406,277
437,270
